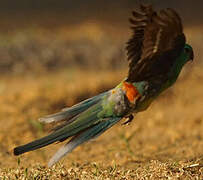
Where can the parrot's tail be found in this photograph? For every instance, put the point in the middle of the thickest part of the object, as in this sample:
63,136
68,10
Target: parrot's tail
86,135
82,126
67,114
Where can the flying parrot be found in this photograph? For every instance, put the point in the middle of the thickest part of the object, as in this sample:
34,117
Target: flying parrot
157,51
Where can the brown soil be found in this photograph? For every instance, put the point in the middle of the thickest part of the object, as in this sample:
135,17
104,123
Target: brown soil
165,141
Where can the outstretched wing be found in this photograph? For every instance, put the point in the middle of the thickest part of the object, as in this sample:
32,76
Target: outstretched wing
157,41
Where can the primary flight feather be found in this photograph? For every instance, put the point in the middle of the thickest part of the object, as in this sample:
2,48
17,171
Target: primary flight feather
157,51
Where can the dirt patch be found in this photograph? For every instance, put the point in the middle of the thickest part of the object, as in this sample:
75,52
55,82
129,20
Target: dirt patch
166,141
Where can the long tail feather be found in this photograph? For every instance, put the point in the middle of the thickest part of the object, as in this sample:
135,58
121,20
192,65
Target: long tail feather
70,112
82,121
86,135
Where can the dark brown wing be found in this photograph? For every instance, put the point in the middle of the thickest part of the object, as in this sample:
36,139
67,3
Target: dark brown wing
157,41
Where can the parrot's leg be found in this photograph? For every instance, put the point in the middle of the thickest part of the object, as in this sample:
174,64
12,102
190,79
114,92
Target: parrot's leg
128,119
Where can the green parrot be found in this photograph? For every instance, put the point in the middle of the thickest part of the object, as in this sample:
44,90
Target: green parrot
157,51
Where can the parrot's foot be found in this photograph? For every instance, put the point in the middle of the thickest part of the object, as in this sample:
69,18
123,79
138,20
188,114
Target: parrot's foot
128,119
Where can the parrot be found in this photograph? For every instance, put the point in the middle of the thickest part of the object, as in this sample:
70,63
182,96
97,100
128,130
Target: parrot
156,52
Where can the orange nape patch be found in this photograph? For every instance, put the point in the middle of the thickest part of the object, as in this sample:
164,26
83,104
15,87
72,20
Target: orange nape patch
131,92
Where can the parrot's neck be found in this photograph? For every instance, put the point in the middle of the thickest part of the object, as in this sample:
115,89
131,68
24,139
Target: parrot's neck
176,69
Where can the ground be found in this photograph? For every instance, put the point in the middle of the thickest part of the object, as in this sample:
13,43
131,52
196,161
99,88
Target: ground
164,142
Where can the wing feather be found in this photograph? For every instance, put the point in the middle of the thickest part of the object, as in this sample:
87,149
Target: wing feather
157,41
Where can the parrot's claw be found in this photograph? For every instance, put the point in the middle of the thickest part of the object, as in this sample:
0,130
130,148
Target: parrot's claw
128,119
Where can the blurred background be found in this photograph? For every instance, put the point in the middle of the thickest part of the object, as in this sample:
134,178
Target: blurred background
49,35
56,53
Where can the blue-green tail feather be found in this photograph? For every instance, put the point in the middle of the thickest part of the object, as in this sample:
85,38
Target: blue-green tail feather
83,120
67,114
84,136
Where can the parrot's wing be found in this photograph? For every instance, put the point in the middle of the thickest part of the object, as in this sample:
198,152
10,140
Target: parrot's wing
157,41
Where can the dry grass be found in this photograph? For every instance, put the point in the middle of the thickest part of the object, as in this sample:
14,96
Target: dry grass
164,142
